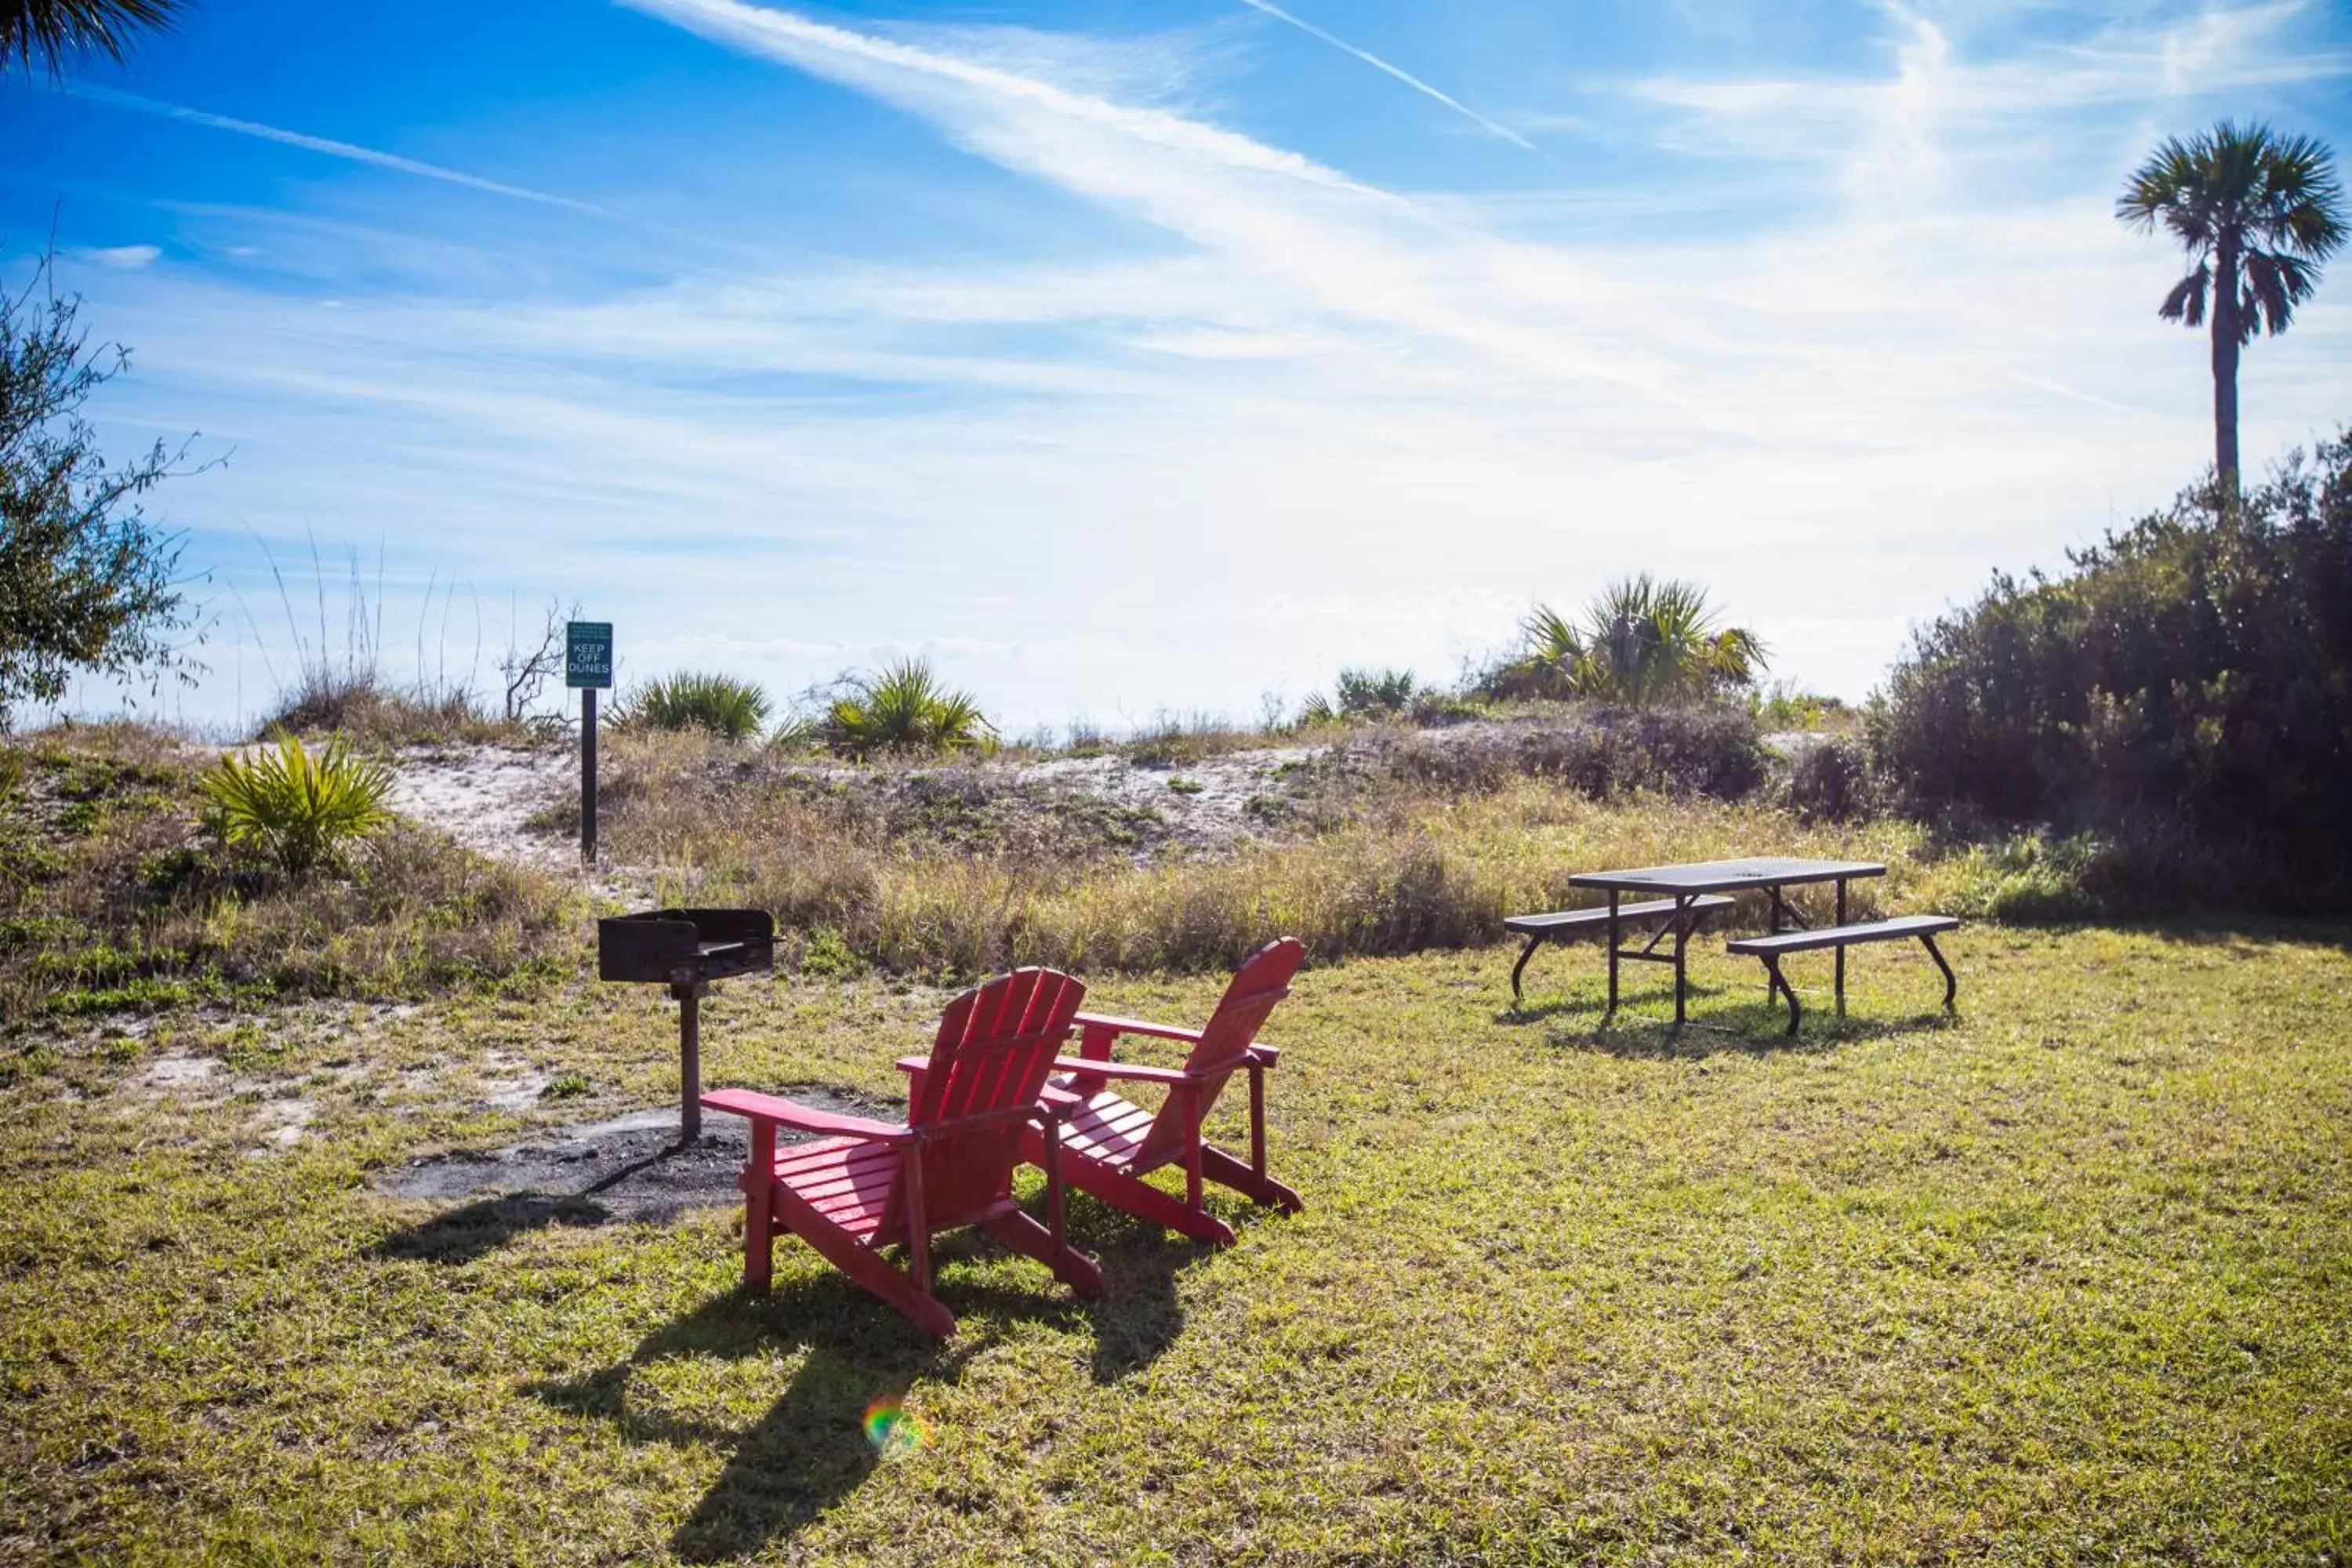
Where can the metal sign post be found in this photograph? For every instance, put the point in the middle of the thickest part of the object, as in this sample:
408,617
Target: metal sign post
588,668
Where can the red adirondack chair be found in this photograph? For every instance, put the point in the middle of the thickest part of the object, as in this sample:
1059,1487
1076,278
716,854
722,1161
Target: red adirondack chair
868,1184
1109,1144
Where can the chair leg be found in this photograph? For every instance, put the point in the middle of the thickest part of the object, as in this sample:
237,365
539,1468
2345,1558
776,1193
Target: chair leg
1019,1233
1224,1169
867,1266
759,1208
1145,1202
1951,981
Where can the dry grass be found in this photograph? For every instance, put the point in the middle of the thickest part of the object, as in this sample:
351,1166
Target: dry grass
113,896
381,718
935,875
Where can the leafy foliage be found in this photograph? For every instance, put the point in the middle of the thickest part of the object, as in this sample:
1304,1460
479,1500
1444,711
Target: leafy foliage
43,33
1362,695
696,699
1645,640
2185,691
86,582
2257,213
297,809
1375,693
905,708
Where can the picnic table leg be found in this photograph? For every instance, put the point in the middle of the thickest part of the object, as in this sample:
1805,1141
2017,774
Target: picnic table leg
1951,981
1524,953
1681,939
1612,956
1841,949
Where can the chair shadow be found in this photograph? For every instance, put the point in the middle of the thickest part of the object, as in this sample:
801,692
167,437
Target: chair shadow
809,1449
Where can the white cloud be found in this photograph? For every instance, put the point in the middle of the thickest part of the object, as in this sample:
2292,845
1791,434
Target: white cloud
120,257
1456,105
345,151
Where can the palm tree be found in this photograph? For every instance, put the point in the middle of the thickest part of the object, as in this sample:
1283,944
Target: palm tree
1643,640
2257,213
44,33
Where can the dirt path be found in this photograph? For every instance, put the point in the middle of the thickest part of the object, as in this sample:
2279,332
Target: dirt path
485,797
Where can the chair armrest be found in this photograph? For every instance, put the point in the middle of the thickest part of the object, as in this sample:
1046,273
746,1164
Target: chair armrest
1086,1067
1059,1102
913,1064
805,1119
1093,1021
1263,1056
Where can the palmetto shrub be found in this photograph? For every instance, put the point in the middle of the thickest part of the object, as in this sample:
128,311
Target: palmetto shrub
1643,641
905,708
696,699
295,808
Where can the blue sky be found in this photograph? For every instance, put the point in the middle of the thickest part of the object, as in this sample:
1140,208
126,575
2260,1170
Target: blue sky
1127,357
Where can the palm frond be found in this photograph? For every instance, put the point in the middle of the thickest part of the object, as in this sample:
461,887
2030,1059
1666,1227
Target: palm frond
2272,200
1645,640
905,708
2186,303
42,35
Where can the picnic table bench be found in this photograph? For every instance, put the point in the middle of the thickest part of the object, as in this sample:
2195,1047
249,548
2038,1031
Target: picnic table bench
1561,924
1841,937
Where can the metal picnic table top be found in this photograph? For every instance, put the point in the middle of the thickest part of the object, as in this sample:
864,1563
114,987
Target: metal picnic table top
1727,875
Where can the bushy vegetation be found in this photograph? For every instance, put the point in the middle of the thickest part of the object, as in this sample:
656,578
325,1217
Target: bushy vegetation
1784,705
87,582
1643,641
299,810
2183,694
376,716
716,704
1390,843
113,896
904,709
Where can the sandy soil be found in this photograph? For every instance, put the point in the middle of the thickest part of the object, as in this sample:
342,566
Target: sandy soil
484,797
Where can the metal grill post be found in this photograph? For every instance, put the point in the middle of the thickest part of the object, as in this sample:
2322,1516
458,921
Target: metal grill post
689,1058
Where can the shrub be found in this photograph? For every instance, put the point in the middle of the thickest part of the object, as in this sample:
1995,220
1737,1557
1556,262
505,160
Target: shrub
297,809
696,699
1784,705
1374,693
1711,749
2184,692
905,708
356,705
1643,641
1829,781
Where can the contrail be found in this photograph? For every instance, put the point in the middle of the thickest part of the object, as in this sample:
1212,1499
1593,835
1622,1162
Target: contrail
1411,80
131,100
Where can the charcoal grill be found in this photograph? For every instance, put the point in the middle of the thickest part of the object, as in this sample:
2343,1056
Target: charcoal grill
686,950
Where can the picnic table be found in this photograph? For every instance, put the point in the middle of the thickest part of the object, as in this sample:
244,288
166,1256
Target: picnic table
1684,887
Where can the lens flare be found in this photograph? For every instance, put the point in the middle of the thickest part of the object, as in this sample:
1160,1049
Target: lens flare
895,1431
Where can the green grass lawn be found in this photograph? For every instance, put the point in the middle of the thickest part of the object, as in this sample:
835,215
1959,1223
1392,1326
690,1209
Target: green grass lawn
2065,1281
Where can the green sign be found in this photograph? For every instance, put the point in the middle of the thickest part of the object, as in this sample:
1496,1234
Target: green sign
588,655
